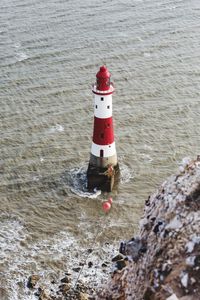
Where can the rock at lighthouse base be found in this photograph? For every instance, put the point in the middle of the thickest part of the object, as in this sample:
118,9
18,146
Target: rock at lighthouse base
99,178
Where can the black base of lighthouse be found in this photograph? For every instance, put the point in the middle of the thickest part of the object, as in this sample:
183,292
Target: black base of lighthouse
99,178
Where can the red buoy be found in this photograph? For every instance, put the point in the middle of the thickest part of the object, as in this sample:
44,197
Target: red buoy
106,206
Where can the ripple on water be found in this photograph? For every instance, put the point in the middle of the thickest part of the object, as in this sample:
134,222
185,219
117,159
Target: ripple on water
126,173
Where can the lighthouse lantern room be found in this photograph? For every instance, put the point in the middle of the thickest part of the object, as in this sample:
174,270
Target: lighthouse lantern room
103,165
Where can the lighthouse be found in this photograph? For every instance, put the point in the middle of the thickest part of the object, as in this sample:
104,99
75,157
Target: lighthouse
103,165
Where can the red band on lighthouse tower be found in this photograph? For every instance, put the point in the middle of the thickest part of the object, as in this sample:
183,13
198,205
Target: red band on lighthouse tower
103,131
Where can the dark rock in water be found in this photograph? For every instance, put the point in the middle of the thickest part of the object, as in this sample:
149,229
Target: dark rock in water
44,295
65,280
90,264
32,281
122,248
158,227
133,248
89,250
105,264
120,264
68,273
64,288
37,294
65,291
76,269
117,257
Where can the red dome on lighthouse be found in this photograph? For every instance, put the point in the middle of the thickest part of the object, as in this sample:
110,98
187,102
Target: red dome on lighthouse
103,79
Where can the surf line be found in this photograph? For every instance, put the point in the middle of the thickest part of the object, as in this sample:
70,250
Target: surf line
106,206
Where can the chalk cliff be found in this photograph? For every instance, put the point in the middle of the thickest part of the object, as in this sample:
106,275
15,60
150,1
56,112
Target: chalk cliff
163,261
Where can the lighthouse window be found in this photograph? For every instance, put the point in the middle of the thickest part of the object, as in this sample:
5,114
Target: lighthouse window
96,106
102,135
101,153
102,98
108,106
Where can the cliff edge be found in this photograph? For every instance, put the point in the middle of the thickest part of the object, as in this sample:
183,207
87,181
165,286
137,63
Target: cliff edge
163,261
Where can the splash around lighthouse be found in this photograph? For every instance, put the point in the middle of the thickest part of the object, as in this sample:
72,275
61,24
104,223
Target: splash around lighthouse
103,168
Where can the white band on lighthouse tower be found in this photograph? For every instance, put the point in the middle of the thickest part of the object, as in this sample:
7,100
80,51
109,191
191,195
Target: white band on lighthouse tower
103,150
103,106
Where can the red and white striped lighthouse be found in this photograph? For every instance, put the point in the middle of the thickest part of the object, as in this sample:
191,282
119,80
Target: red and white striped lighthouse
103,164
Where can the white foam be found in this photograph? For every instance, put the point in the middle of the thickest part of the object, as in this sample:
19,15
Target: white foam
22,261
93,195
126,174
146,157
147,147
185,162
36,178
78,183
21,56
56,128
147,54
17,45
11,233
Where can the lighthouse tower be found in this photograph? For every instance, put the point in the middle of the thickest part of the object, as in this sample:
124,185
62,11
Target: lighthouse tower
103,165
